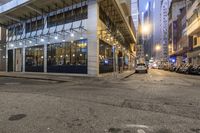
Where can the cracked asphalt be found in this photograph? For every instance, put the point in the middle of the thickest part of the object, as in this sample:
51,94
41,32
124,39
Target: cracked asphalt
157,102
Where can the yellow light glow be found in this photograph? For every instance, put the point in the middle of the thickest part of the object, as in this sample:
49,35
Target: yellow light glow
146,28
158,47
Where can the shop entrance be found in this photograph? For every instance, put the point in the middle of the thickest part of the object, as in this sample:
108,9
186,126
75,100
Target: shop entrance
10,60
18,60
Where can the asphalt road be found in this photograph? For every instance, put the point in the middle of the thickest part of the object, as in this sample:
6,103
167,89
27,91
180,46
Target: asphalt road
157,102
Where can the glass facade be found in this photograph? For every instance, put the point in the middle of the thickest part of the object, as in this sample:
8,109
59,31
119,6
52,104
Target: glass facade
34,59
105,57
68,57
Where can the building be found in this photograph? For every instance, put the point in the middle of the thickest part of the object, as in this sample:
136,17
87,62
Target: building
176,53
147,19
164,29
135,12
193,30
78,36
2,49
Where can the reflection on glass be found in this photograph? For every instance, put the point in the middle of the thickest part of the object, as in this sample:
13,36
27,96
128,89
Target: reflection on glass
105,57
69,53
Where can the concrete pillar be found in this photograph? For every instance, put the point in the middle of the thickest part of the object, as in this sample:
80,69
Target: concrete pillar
45,58
23,59
93,40
6,60
14,60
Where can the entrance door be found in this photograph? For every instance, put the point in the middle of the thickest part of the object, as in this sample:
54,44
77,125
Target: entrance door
18,60
10,60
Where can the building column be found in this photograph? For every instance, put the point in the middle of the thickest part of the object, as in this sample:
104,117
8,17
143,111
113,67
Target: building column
23,59
14,60
93,40
6,59
45,58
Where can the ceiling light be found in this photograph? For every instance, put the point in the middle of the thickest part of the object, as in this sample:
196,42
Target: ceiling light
42,40
11,45
72,34
56,37
30,41
63,40
20,43
81,37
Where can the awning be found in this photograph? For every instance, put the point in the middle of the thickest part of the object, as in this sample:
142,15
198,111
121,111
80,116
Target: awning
117,16
23,11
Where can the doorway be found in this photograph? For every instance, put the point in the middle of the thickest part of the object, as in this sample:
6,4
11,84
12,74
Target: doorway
10,60
18,60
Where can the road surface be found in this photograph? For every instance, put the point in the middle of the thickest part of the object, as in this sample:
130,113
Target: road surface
157,102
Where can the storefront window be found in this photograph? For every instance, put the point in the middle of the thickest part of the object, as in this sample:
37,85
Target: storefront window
35,59
69,57
105,57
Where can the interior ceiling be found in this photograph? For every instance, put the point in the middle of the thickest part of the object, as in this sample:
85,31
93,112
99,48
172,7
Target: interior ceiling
114,14
32,8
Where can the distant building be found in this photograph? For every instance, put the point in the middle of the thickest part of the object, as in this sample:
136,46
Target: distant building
164,29
135,12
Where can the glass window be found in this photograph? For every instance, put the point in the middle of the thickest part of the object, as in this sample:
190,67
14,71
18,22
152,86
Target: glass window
105,57
67,54
76,14
35,59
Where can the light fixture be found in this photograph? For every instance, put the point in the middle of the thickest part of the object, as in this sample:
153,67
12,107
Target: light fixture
42,40
20,43
63,40
11,45
56,37
72,34
81,37
30,42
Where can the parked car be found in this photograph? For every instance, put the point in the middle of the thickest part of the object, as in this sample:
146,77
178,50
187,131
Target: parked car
141,67
195,70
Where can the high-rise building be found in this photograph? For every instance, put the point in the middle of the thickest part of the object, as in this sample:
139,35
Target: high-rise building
135,12
68,36
164,29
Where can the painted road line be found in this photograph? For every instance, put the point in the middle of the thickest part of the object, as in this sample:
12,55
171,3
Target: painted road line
136,126
141,131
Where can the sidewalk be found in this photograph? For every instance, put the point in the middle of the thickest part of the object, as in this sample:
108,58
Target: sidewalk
63,77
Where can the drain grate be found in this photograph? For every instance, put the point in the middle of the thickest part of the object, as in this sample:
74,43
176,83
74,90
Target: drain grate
16,117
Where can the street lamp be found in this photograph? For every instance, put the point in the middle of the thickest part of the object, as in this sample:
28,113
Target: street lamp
146,28
158,47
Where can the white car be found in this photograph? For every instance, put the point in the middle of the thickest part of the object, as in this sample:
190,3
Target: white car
141,67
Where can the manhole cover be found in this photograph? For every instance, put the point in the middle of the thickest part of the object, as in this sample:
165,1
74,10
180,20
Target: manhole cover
16,117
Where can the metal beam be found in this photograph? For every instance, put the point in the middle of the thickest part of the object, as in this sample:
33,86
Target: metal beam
3,25
12,18
34,9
